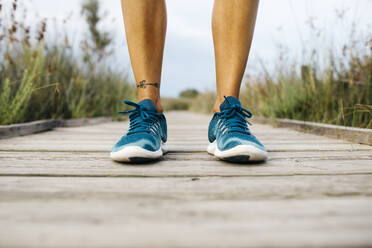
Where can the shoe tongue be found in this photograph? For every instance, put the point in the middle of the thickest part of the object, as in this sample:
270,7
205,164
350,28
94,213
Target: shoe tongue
148,105
230,100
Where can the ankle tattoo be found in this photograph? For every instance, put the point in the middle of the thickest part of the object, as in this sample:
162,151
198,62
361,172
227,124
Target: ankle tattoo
143,84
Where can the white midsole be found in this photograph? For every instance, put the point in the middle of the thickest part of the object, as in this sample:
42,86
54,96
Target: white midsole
128,152
254,153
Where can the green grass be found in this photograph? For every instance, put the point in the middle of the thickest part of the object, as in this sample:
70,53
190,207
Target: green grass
176,103
190,100
332,84
319,98
42,80
333,95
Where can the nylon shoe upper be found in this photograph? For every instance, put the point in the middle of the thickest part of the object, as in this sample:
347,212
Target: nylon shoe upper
229,127
147,129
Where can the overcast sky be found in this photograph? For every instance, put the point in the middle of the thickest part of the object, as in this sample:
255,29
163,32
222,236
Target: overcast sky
188,58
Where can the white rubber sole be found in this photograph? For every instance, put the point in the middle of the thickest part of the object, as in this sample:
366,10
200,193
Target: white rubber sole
239,153
137,154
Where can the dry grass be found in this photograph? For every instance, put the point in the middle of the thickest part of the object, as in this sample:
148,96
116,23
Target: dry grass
332,84
42,80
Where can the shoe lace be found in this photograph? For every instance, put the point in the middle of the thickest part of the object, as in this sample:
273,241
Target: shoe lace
235,118
141,120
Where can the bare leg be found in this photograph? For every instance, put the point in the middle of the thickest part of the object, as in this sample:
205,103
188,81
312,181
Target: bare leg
233,25
145,26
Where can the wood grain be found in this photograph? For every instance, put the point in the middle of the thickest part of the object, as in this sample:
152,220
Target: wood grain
60,189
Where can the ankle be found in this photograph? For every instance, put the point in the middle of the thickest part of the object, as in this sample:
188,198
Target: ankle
216,107
155,100
219,101
158,106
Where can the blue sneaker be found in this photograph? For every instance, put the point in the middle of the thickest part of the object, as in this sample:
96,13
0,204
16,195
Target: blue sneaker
229,136
146,137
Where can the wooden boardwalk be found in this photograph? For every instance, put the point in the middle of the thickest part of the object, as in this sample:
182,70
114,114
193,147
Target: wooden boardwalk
60,189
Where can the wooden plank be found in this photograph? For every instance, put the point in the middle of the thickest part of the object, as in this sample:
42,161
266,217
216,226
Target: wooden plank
184,156
28,128
49,165
164,222
312,192
84,121
178,141
172,141
181,137
188,188
105,145
51,210
309,155
357,135
102,137
8,131
181,133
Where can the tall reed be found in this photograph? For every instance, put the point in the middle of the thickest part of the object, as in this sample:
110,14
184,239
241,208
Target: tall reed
41,79
331,84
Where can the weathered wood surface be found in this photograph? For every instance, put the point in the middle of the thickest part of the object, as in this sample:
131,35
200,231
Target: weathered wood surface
60,189
8,131
357,135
